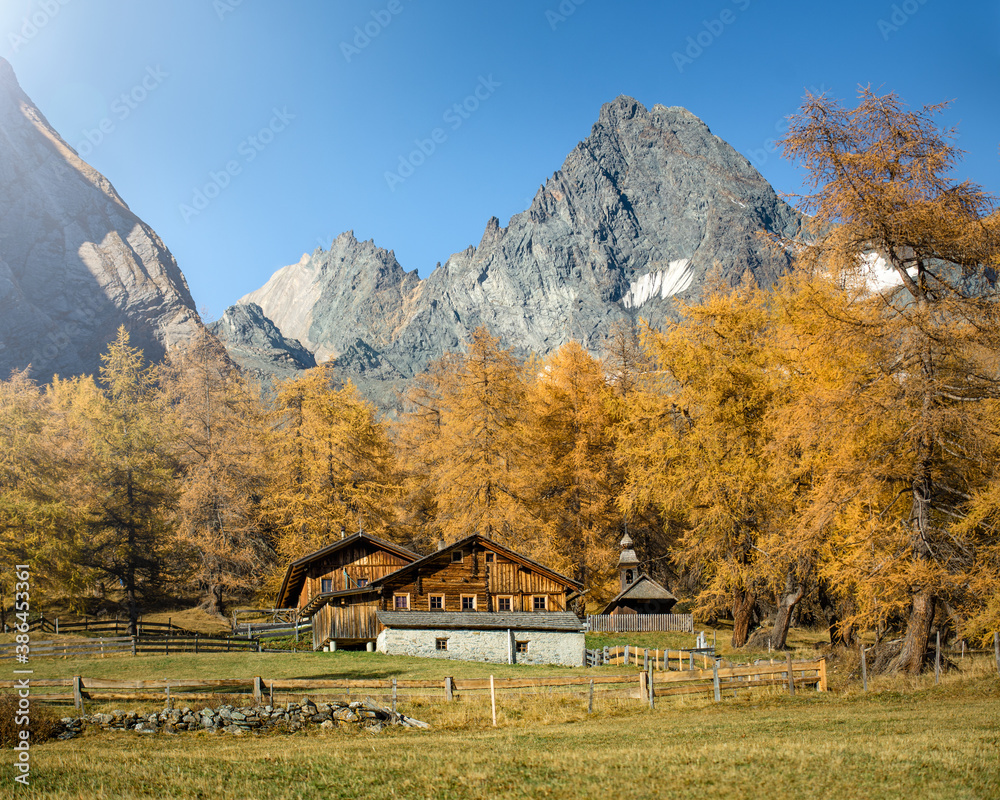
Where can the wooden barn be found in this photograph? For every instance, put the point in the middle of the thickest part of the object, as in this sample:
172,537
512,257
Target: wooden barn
473,599
476,600
334,587
477,574
639,594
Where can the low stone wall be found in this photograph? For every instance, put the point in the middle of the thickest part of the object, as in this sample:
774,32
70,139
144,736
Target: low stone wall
243,720
564,648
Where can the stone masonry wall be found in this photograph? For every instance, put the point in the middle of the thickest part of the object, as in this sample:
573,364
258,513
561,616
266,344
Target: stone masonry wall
544,647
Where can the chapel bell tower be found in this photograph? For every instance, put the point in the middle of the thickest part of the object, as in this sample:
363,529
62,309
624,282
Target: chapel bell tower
628,563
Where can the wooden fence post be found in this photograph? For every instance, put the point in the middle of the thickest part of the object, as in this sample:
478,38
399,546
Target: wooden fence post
133,645
258,690
169,704
605,655
645,659
822,675
394,697
864,670
715,681
650,686
78,692
996,648
791,677
590,698
57,626
626,655
690,659
493,700
642,686
448,690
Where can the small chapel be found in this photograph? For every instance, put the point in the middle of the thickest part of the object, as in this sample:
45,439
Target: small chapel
639,594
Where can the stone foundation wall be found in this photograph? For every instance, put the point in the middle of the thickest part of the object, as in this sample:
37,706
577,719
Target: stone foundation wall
544,647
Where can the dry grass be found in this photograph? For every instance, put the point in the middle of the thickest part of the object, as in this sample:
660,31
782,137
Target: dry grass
192,619
934,743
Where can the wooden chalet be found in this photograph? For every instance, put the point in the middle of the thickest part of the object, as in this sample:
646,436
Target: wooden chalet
332,586
356,589
477,574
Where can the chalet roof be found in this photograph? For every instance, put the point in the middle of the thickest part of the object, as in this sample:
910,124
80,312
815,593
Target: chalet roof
296,572
644,588
487,544
478,620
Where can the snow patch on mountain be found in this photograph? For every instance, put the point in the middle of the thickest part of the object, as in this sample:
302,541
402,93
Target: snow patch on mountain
663,283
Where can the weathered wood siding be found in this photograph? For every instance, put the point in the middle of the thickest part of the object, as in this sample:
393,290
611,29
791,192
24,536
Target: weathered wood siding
474,576
354,621
363,560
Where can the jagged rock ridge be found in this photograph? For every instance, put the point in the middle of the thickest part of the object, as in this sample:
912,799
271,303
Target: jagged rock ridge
75,262
257,346
638,215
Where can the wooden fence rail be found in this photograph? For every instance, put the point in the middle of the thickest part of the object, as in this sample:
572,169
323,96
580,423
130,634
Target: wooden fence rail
639,623
663,684
119,627
104,646
135,645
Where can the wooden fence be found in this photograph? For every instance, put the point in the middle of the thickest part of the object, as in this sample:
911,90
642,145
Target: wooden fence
115,627
644,657
717,681
135,645
639,623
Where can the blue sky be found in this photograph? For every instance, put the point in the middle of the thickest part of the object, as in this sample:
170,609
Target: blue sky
247,132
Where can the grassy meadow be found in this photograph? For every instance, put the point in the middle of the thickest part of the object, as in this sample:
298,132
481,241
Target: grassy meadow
907,738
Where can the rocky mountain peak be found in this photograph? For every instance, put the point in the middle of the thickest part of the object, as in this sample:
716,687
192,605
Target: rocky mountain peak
639,212
75,262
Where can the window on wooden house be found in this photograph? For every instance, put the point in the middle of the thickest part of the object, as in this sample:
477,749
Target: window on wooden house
629,577
362,582
468,602
435,602
489,558
505,604
456,557
521,647
326,584
538,603
401,602
440,644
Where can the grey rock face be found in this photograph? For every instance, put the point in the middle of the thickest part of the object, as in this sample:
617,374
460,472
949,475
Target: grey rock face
639,214
331,299
257,346
75,262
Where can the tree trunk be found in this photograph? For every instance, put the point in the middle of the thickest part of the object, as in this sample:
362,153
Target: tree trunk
791,597
743,607
132,603
918,633
840,635
214,602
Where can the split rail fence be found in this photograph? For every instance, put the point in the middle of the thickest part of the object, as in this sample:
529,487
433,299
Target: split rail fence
715,681
135,645
117,627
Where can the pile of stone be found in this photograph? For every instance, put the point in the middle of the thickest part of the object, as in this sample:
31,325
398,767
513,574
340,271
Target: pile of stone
243,720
